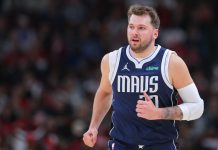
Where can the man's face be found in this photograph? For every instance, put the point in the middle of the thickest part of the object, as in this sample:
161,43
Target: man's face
140,32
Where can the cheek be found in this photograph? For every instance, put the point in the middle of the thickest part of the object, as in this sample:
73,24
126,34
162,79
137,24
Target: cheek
145,36
129,33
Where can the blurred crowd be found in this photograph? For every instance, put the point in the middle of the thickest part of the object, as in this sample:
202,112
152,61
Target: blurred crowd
50,54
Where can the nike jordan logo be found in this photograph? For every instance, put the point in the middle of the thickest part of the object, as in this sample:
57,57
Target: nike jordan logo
126,67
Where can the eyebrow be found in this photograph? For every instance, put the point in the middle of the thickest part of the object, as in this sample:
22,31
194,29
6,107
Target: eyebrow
138,25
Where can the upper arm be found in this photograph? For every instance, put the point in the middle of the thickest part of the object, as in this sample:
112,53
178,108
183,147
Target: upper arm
178,72
192,106
105,84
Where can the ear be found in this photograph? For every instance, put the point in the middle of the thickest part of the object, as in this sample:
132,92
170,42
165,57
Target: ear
155,34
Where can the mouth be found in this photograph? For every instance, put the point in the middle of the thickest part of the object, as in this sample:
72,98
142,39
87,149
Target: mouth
135,40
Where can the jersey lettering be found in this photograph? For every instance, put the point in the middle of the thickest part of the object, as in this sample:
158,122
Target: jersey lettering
137,84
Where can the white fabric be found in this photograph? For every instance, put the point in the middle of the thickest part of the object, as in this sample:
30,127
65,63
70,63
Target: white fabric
165,66
114,58
192,106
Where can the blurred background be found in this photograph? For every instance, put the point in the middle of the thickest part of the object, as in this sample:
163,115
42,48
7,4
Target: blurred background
50,54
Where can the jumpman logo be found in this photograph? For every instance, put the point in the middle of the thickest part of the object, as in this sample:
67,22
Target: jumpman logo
141,146
125,67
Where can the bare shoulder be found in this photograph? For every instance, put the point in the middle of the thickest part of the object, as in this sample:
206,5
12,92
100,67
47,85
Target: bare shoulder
177,62
105,85
105,58
179,72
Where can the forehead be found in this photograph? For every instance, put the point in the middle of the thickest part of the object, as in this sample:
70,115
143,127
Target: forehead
140,20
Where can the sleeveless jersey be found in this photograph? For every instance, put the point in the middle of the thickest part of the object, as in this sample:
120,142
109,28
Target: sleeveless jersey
130,78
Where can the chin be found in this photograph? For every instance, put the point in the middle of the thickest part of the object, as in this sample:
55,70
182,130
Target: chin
136,50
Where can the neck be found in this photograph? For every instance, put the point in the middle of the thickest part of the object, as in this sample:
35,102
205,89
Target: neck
144,53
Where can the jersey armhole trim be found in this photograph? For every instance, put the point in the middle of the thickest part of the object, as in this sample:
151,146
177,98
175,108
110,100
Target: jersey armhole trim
114,58
165,68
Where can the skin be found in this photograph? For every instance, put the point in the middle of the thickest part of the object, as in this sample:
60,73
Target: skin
141,37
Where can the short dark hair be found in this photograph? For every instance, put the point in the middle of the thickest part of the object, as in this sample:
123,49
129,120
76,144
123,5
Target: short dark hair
141,10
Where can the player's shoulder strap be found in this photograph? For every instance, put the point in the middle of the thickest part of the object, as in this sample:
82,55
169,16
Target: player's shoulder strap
165,67
114,59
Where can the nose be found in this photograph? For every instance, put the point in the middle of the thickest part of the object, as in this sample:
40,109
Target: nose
134,32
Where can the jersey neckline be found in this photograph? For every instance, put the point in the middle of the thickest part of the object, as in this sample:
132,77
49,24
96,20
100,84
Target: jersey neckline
139,64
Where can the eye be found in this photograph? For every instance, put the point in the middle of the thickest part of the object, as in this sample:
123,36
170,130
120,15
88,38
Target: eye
142,28
131,27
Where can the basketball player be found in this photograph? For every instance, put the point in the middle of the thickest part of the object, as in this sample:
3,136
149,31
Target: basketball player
142,81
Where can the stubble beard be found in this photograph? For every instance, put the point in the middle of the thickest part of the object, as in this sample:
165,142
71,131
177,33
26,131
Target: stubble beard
142,46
